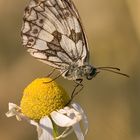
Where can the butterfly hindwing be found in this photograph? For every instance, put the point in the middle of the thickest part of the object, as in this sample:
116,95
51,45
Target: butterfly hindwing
52,32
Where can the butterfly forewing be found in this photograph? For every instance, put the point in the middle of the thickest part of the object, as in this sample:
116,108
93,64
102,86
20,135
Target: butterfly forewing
52,32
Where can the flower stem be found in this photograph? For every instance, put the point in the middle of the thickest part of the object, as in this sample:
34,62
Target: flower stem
55,130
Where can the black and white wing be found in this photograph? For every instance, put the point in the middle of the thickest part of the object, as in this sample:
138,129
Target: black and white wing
52,33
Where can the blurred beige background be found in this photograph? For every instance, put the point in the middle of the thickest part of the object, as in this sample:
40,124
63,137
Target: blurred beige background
111,102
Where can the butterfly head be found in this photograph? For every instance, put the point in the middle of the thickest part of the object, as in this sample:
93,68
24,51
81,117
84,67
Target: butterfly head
90,72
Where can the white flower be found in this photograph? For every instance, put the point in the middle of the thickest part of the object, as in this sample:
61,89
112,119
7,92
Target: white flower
69,117
47,106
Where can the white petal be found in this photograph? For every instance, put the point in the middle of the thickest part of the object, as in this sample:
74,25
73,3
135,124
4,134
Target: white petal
78,131
15,110
32,122
63,120
73,114
84,117
20,116
10,113
12,110
63,111
12,105
65,133
45,130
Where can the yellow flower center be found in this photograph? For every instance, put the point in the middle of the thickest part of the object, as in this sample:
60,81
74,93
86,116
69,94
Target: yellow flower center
40,98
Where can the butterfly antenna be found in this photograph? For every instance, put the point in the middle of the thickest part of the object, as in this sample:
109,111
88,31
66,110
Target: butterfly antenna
112,69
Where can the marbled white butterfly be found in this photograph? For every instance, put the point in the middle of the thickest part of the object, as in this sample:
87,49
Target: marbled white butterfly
52,33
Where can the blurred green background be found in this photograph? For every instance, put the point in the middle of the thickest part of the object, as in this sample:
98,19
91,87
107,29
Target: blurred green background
112,102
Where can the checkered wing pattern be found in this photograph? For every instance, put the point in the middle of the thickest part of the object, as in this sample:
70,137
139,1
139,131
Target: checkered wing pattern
52,33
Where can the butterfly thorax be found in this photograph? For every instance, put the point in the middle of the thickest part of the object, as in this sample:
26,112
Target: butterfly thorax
75,72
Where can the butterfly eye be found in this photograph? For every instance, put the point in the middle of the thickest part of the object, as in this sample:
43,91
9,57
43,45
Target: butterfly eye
92,74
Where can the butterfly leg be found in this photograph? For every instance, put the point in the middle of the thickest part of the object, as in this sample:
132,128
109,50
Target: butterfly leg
51,72
74,92
57,76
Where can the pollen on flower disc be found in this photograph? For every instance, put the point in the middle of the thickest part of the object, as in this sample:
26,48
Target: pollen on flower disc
41,98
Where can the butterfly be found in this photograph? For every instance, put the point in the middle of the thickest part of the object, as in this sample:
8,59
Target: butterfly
52,32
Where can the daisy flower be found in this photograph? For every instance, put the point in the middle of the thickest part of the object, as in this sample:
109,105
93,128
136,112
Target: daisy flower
46,105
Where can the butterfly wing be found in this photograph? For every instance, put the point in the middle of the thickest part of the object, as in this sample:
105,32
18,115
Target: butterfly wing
52,33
